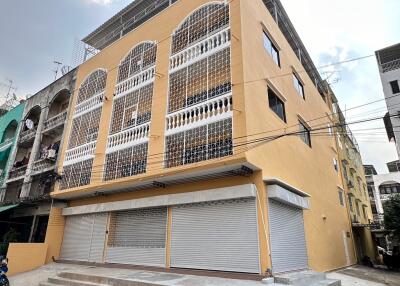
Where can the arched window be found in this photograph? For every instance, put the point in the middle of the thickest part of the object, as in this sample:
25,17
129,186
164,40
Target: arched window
94,84
10,131
199,119
130,123
139,58
84,131
200,25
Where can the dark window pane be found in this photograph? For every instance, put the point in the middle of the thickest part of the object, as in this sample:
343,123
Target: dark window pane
276,104
395,86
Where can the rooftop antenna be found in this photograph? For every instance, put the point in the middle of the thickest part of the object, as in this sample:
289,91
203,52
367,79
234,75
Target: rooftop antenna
56,70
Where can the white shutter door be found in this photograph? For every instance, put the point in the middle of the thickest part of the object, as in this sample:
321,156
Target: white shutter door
288,244
138,237
77,237
98,237
219,235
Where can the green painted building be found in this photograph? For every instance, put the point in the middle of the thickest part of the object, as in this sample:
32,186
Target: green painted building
9,130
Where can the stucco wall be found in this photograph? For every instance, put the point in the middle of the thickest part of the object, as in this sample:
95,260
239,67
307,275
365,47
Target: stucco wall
25,256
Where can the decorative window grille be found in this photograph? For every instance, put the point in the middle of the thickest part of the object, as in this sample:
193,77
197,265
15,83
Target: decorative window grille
201,24
94,84
140,58
201,81
85,128
199,144
132,110
76,175
127,162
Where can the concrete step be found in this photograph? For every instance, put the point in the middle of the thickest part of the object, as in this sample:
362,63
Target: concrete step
300,278
71,282
328,282
102,280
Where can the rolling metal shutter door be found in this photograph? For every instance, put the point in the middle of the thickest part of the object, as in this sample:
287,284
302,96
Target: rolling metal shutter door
288,244
219,235
98,237
84,237
138,237
77,236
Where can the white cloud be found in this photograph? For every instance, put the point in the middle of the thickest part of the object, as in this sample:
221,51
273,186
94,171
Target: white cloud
101,2
338,30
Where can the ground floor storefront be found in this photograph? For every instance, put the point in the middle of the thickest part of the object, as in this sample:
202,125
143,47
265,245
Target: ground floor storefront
216,229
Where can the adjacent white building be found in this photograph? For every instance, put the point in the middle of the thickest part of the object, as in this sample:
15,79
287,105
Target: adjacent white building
389,68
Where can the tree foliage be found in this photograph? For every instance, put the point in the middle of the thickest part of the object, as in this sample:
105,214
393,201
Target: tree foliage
392,214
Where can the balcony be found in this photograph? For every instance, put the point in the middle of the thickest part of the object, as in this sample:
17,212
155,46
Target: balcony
81,153
7,143
135,82
350,184
55,125
128,138
390,66
216,109
43,165
27,137
17,174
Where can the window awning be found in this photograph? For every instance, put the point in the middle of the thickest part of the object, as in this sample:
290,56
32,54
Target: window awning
9,207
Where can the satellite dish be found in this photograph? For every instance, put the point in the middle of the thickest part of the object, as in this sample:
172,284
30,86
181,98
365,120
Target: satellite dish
65,70
29,124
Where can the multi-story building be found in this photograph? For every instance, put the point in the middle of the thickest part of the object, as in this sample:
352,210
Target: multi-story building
31,175
380,188
189,145
355,194
389,69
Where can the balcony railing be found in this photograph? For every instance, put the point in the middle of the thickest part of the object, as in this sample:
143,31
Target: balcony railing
135,82
212,110
17,173
27,135
80,153
201,50
89,104
55,121
393,65
127,138
43,165
6,144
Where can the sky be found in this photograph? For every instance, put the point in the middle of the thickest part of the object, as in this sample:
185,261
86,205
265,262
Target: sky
35,33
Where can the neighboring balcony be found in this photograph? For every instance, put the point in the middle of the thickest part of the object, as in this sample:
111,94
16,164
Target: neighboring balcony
55,125
7,143
17,174
43,165
27,137
390,66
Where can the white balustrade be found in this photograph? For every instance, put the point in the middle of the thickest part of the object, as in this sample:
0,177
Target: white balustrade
128,138
89,104
135,82
206,112
55,121
80,153
200,50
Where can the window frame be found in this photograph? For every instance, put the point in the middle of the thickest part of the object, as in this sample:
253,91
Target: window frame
298,85
341,197
278,99
272,47
305,136
395,86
